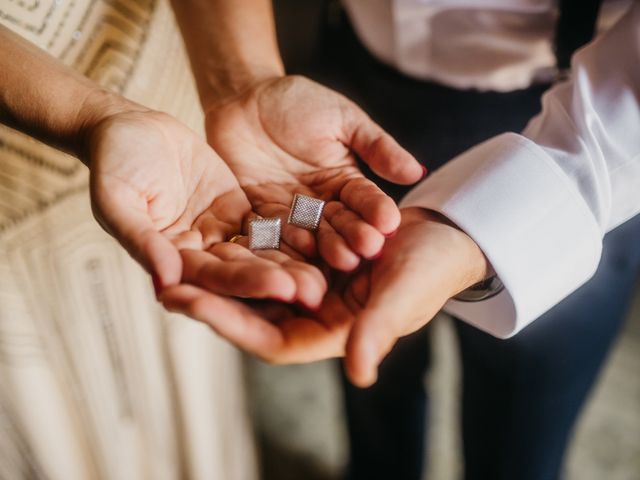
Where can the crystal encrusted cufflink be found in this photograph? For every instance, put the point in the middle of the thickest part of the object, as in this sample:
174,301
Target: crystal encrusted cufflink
264,234
306,212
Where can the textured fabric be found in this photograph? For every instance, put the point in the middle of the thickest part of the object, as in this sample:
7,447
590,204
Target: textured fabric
96,380
497,45
538,204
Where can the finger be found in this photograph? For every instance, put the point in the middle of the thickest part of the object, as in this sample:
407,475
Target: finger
335,250
371,338
363,238
230,269
366,199
395,300
379,150
310,283
229,318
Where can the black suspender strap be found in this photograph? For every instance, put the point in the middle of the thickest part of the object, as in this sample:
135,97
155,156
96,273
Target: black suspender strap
576,27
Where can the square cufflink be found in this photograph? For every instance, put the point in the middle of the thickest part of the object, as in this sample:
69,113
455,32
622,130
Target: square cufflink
306,212
264,234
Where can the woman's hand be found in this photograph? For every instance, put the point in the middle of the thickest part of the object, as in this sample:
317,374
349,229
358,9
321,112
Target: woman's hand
289,135
158,188
426,263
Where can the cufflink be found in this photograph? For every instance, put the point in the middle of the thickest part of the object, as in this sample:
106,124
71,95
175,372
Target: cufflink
264,234
306,212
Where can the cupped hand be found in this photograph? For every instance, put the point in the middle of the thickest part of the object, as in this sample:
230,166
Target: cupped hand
429,261
290,135
158,188
273,331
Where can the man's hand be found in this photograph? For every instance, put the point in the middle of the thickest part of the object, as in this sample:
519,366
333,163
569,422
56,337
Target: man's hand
288,135
426,263
158,188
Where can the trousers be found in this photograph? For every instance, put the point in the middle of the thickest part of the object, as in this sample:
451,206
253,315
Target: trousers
520,397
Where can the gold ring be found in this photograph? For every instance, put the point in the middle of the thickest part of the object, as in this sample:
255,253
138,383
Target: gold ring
235,238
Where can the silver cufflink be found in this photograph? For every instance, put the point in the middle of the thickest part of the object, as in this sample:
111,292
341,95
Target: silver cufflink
264,234
306,212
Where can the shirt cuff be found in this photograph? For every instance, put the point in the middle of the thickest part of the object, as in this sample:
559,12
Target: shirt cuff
528,218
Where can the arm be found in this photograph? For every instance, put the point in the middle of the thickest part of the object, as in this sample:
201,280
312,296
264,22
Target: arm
47,100
538,204
232,45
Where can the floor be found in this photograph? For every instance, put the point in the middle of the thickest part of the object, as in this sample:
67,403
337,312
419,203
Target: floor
299,416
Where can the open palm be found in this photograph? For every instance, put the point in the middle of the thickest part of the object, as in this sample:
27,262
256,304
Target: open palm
159,189
290,135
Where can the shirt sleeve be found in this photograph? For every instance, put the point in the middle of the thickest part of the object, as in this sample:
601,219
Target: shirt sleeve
539,203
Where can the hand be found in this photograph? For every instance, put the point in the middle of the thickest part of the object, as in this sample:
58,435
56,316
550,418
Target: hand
274,332
158,188
426,263
289,135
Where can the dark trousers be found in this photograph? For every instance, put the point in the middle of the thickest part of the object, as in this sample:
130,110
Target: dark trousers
521,396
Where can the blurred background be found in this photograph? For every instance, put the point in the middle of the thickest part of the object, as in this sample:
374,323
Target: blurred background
300,420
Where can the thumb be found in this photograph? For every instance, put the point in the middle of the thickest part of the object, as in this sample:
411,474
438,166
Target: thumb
391,308
402,298
133,229
372,337
380,151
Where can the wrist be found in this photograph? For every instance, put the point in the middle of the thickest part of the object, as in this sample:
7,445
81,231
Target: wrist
471,260
222,85
466,257
98,106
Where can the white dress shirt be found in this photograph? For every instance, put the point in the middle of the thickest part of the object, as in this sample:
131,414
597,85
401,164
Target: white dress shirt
537,203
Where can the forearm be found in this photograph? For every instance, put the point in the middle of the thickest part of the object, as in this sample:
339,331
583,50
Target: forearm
232,44
47,100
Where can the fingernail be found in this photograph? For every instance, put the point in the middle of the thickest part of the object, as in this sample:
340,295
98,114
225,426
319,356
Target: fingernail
392,234
376,256
424,171
157,285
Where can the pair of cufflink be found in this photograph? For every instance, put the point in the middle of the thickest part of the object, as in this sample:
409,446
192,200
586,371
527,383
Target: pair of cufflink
306,212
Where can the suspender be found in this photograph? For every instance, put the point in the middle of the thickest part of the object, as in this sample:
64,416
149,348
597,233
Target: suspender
575,28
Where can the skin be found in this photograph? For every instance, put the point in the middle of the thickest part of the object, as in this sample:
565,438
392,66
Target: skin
290,135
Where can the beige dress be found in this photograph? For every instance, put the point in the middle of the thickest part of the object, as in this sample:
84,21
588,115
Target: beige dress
96,380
